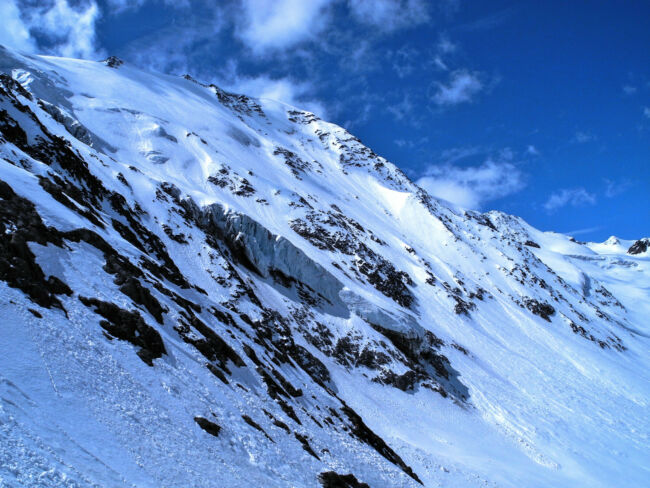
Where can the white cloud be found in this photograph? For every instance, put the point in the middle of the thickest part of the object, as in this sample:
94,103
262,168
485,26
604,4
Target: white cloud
74,27
581,137
390,15
437,60
614,188
411,143
532,150
488,22
402,109
120,6
14,33
472,187
454,154
569,196
629,89
646,111
404,60
445,46
281,23
54,27
403,143
461,87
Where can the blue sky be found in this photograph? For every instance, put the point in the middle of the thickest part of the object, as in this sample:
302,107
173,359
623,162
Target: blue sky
541,109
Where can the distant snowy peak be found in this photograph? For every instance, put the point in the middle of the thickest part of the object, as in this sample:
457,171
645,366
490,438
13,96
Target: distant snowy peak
204,285
614,245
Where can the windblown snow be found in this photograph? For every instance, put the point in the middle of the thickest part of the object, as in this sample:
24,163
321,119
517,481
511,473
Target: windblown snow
202,289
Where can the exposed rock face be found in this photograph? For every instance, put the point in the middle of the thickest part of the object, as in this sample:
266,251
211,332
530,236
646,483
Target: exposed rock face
544,310
330,479
207,425
113,62
202,286
639,246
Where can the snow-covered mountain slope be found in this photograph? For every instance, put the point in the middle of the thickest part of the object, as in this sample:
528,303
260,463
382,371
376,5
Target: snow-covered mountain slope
202,289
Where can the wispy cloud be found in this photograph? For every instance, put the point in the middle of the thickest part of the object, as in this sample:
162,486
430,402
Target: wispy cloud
455,154
646,112
582,137
404,60
615,188
411,143
532,150
488,22
119,6
444,48
402,109
629,89
409,60
461,87
390,15
586,230
574,197
474,186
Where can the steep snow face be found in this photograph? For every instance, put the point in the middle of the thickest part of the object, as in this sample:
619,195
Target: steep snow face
202,289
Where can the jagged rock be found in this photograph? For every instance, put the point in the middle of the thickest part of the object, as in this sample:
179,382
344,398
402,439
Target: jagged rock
113,62
305,444
639,246
362,432
128,326
331,479
256,426
542,309
20,224
207,425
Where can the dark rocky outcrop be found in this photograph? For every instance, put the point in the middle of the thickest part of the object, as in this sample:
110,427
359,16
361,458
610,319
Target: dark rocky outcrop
421,353
207,425
208,342
363,433
295,164
20,223
305,444
128,326
139,294
256,426
331,479
113,62
332,231
639,246
541,309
